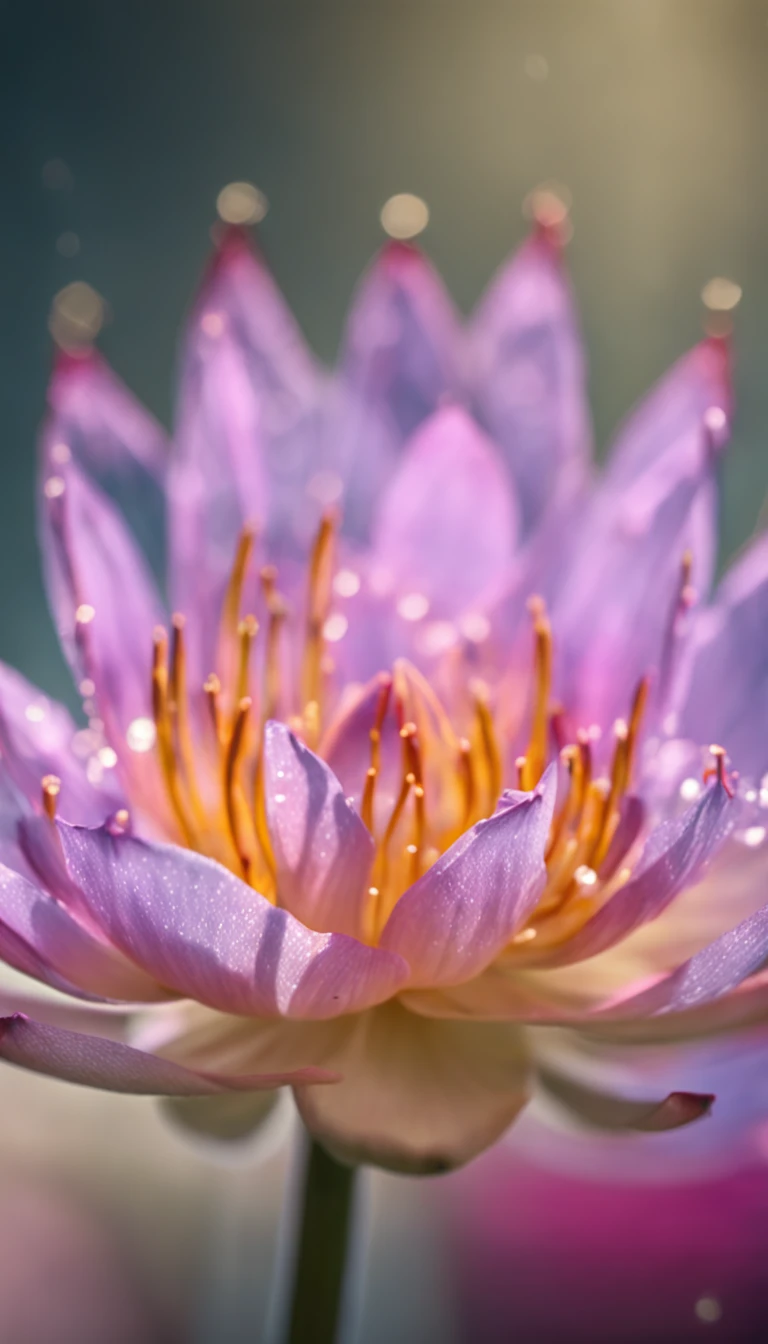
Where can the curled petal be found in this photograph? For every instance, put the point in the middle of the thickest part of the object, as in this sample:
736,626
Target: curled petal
322,850
445,529
196,927
529,378
95,1061
452,923
418,1096
606,1111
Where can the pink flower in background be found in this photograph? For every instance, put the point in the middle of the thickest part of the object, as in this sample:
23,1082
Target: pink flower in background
412,803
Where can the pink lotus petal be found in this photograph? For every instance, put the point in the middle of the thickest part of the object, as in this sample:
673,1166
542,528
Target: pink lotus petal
445,529
105,605
322,850
529,378
40,938
725,679
95,1061
197,928
452,922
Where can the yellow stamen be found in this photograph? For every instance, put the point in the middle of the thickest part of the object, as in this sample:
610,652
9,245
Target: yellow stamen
179,710
278,612
413,767
50,786
490,746
234,798
247,631
468,787
318,604
639,703
161,714
537,745
230,612
522,771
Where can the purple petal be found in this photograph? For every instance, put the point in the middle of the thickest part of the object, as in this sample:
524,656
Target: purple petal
95,1061
322,850
674,857
37,737
217,482
196,927
39,938
697,384
445,528
716,970
726,670
399,358
452,922
615,614
96,421
529,378
104,602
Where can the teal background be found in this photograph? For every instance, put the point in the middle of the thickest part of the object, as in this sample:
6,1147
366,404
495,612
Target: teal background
653,113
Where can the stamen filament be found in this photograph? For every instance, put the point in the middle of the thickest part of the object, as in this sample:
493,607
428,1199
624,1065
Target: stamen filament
161,714
179,710
468,785
234,799
278,612
318,604
537,745
230,612
247,631
50,787
490,746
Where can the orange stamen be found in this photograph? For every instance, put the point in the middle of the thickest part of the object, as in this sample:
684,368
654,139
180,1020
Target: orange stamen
318,604
179,710
490,746
468,785
719,770
247,630
234,798
230,612
161,714
537,745
372,773
278,612
50,786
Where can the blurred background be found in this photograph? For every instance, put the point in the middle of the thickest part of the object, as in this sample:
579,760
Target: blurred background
121,124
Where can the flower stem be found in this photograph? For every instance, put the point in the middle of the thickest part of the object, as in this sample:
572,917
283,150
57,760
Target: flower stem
321,1255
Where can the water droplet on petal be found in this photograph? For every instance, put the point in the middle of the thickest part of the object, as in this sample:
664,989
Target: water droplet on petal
690,789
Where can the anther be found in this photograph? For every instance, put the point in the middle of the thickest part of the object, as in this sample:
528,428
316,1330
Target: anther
50,786
719,755
236,807
212,690
521,767
247,631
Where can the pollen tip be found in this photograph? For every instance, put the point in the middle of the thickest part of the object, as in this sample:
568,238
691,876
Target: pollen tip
159,634
51,785
620,730
178,620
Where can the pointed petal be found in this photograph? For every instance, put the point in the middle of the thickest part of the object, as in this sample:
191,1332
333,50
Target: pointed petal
400,356
698,383
605,1111
674,857
39,938
37,737
113,1067
726,671
217,482
418,1096
113,439
529,378
445,528
105,605
613,616
196,927
322,850
452,923
400,349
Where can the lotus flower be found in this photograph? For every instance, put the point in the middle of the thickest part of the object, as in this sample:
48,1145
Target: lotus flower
409,805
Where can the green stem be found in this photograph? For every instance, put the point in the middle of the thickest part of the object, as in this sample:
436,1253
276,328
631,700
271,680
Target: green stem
326,1220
